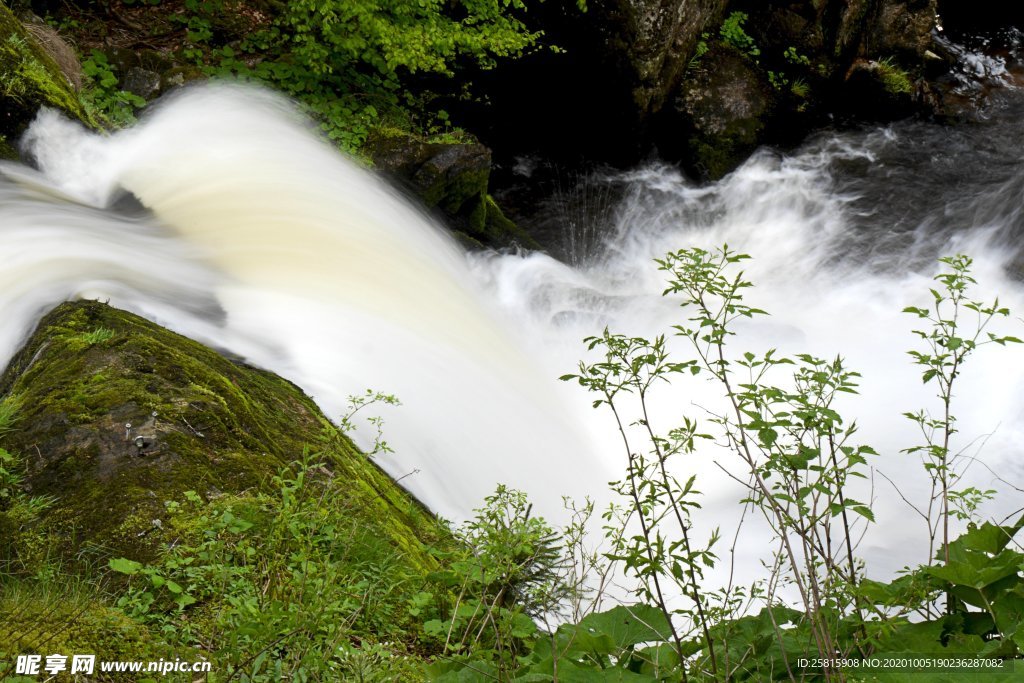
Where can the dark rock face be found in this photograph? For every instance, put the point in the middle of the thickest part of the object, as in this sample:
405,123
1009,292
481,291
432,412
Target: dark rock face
450,177
966,16
890,28
655,39
719,114
626,84
595,99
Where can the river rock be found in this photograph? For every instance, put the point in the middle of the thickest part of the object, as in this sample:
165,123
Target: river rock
199,421
31,78
142,82
719,114
450,177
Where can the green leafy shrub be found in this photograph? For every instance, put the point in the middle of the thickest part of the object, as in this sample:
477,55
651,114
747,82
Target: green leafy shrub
735,36
102,97
350,62
507,571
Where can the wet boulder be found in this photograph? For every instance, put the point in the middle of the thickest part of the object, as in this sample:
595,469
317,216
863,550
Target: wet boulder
142,82
452,178
720,113
117,415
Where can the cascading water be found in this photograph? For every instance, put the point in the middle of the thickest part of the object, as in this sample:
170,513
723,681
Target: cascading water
264,242
303,263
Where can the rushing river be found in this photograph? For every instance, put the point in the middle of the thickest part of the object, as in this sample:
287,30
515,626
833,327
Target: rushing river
255,237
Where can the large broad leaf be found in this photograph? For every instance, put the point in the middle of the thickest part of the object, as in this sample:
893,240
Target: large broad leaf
125,566
923,638
658,659
926,638
628,626
1008,609
977,570
987,538
572,642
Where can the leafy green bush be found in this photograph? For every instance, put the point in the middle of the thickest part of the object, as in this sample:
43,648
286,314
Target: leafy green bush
102,97
735,36
506,571
351,62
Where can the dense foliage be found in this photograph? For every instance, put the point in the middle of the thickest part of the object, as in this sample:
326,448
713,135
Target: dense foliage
356,65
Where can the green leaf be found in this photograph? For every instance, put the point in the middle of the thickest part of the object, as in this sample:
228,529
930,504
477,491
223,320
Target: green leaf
767,436
628,626
125,566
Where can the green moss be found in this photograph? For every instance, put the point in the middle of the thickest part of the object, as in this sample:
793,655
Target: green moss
29,78
209,424
7,150
70,618
499,229
895,80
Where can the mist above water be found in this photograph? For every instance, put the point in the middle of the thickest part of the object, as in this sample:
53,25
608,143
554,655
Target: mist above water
261,240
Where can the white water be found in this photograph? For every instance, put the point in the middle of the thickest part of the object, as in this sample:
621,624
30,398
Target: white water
268,244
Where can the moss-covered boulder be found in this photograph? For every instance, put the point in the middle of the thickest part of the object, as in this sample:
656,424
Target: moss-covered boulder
118,415
879,89
450,177
29,78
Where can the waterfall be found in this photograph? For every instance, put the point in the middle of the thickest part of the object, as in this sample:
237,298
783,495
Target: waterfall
256,237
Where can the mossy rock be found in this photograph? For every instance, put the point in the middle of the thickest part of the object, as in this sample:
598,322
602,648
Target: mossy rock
452,176
453,179
880,90
29,79
721,113
44,619
199,422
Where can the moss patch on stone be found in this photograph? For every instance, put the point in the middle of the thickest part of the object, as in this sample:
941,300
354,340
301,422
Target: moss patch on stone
42,619
29,79
499,229
7,150
199,421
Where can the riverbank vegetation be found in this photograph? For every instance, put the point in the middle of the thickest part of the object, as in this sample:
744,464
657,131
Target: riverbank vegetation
306,576
356,66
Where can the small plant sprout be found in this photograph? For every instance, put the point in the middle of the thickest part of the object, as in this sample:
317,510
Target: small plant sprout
358,403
